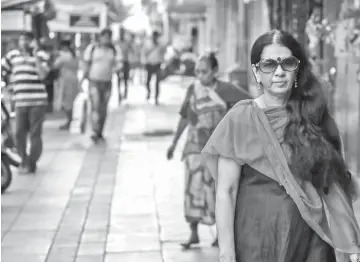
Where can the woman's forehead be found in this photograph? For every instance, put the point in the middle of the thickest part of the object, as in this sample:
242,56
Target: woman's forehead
274,51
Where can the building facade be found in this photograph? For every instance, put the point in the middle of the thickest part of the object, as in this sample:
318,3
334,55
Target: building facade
233,25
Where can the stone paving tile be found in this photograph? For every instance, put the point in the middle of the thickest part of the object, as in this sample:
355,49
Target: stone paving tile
67,238
134,257
173,253
88,208
134,224
17,257
94,236
37,221
96,248
90,258
62,253
35,242
67,255
134,242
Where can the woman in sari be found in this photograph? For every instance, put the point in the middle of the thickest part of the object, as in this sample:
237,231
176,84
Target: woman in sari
67,64
206,102
283,190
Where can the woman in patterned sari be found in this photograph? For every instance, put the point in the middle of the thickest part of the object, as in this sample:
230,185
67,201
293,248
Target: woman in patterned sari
207,101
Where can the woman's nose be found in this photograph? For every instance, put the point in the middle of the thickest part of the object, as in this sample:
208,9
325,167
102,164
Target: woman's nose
279,71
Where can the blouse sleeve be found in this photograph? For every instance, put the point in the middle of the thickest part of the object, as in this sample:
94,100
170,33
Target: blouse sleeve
186,103
230,139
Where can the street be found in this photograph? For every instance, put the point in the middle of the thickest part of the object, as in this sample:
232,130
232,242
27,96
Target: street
120,201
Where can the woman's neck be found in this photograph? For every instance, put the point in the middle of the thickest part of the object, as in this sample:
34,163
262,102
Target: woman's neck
212,84
274,101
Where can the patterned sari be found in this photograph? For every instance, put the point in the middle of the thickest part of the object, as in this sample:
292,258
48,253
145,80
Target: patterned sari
205,110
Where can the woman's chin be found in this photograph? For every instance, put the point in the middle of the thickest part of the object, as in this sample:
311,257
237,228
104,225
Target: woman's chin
279,91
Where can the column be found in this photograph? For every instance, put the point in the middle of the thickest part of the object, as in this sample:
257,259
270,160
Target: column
211,24
242,41
220,35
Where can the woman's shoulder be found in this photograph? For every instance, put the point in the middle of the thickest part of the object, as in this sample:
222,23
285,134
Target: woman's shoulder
231,92
226,85
241,112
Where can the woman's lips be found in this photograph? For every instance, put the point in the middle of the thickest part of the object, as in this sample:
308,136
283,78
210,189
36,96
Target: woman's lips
280,83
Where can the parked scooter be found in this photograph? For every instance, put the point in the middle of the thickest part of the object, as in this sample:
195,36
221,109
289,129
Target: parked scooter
8,155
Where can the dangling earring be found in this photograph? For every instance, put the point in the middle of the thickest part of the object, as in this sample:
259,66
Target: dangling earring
296,83
258,85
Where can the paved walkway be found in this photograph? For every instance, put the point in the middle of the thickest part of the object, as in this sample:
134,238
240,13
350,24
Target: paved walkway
121,201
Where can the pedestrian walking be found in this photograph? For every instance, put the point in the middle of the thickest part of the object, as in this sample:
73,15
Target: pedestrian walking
135,60
101,62
127,50
28,67
283,189
51,77
67,65
154,57
207,101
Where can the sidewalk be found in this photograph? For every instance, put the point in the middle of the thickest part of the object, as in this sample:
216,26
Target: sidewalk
147,215
116,202
122,201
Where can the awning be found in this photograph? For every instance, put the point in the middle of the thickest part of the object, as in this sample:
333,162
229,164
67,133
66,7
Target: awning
46,7
14,3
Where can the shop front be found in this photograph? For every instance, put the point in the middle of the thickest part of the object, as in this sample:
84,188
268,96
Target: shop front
329,31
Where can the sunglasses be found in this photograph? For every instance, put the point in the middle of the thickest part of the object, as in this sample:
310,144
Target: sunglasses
269,65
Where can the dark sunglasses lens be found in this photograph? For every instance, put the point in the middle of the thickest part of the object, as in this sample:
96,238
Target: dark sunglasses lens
268,65
290,64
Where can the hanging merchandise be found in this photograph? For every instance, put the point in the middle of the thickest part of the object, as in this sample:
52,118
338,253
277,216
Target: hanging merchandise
321,30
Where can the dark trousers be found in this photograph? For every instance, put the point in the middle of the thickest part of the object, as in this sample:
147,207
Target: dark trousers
29,122
124,74
99,98
153,70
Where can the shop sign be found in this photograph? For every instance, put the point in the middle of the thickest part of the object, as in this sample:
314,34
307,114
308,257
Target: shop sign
89,18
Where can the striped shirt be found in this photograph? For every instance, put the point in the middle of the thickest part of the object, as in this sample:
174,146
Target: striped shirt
28,87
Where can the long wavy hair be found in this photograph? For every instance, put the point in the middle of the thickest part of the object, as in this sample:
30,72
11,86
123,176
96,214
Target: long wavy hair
315,154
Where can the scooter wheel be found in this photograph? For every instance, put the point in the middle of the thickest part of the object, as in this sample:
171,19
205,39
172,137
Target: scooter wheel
6,175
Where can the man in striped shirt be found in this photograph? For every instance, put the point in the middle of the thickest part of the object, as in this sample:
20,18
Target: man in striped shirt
27,67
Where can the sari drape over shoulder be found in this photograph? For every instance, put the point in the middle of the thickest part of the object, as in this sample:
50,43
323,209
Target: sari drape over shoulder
253,137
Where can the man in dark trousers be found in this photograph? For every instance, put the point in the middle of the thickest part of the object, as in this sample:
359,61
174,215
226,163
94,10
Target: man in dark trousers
154,57
126,49
27,66
51,76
